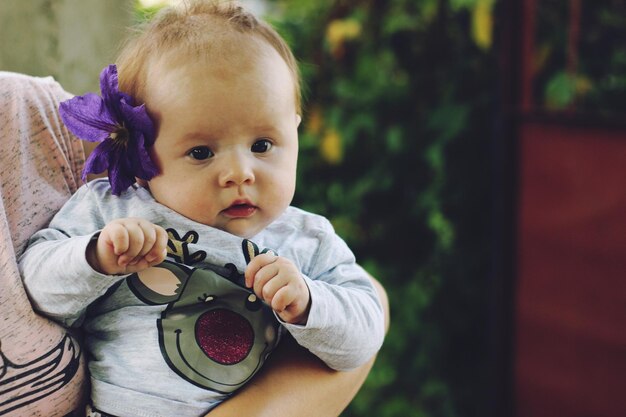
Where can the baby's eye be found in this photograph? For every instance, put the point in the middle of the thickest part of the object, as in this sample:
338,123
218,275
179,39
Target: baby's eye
261,146
200,153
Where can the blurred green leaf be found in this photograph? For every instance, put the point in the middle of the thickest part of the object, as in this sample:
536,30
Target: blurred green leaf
560,91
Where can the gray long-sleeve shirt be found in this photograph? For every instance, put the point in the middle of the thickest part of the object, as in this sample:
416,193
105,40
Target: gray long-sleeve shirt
176,339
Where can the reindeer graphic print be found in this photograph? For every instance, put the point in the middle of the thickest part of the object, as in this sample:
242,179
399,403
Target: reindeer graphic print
213,332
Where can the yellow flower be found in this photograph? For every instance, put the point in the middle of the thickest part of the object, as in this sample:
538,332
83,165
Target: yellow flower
339,31
315,121
482,23
330,147
583,85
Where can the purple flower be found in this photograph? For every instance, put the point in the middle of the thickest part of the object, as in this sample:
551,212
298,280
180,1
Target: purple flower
123,130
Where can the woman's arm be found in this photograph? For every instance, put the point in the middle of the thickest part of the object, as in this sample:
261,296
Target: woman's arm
41,370
294,382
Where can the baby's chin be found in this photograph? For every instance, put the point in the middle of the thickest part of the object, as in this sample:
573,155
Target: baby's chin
243,232
244,228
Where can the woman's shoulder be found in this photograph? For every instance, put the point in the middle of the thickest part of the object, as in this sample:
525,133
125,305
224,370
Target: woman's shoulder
26,87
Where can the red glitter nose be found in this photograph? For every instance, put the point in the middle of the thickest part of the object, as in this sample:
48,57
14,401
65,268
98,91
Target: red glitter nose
225,336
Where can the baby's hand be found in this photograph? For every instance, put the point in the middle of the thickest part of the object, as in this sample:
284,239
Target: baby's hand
127,245
278,282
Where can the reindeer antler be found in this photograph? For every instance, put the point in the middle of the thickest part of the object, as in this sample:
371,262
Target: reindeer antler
178,248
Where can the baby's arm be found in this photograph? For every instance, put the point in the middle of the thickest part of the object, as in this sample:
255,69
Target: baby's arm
329,306
345,326
65,271
60,279
126,246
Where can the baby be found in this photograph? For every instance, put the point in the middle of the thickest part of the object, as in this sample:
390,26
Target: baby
187,264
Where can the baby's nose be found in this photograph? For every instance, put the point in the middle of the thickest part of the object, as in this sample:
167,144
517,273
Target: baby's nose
236,170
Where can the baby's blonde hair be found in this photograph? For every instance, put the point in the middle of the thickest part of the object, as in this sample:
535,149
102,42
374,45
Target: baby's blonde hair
194,29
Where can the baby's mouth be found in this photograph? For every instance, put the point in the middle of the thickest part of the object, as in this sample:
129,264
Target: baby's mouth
240,209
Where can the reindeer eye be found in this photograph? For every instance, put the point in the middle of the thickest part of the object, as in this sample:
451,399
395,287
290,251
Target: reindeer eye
206,298
253,303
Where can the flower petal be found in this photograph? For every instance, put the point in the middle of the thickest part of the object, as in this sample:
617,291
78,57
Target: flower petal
120,173
98,161
138,120
109,90
87,117
141,129
140,159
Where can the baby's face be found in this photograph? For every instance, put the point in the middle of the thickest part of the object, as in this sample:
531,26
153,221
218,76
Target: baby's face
227,141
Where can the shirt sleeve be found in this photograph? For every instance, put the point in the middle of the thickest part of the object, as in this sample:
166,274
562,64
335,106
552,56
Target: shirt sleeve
57,277
345,327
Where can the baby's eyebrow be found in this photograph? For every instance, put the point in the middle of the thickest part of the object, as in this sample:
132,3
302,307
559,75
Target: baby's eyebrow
193,135
194,138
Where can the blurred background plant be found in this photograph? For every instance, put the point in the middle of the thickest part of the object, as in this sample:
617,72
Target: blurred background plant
581,57
395,150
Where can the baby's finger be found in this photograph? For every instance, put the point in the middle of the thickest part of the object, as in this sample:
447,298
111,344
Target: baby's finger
282,298
272,286
262,278
135,242
158,252
149,236
291,305
116,236
256,264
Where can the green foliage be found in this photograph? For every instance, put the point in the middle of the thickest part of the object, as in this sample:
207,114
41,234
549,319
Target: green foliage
143,13
585,72
395,151
561,91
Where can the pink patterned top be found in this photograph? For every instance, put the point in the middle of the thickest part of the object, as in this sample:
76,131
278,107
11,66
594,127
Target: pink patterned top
41,368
